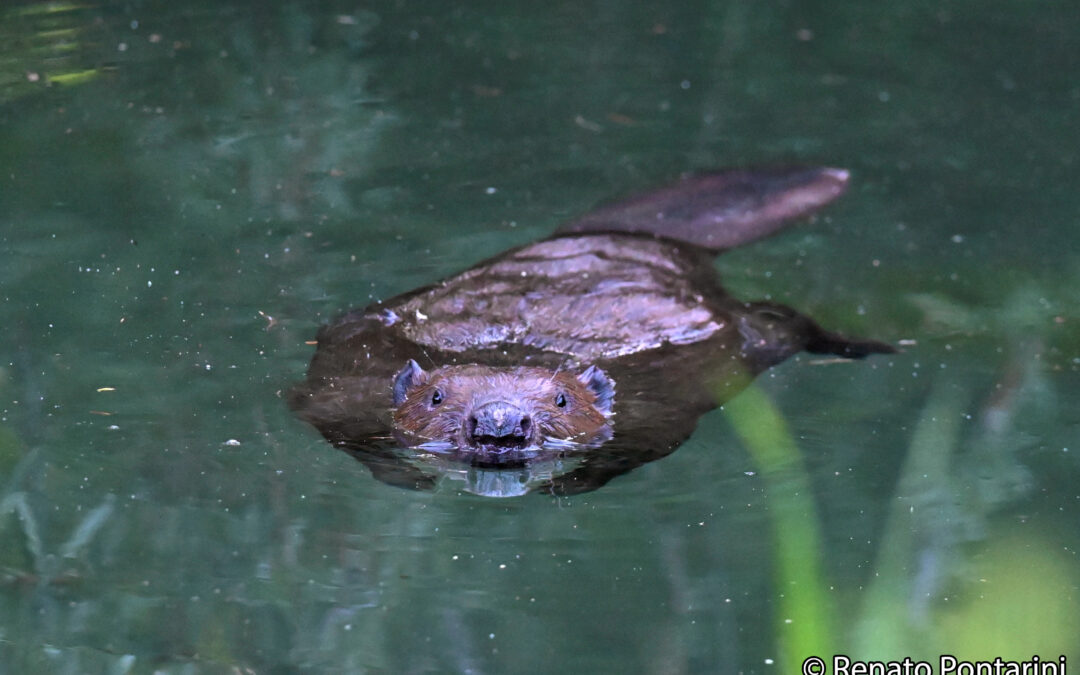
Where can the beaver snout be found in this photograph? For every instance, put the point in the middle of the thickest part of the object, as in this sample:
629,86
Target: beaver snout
499,424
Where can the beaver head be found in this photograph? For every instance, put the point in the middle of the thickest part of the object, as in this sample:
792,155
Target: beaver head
501,415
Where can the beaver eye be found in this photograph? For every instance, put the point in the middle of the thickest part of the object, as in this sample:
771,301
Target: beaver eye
437,397
560,400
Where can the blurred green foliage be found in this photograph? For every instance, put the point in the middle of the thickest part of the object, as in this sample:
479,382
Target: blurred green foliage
173,174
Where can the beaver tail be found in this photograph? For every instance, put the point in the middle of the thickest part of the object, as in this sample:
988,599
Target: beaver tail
721,210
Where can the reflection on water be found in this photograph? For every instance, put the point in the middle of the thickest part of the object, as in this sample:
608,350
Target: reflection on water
185,191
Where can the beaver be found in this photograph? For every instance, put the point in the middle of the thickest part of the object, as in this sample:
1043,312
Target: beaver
589,353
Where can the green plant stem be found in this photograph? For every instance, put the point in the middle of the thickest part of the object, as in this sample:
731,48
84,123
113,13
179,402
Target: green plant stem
805,610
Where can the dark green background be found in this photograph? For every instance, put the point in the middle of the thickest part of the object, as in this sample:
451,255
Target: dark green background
172,172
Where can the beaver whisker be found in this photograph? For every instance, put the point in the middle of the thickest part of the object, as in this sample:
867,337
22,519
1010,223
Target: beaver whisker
436,446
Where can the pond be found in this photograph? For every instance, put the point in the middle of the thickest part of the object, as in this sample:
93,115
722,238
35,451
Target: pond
189,190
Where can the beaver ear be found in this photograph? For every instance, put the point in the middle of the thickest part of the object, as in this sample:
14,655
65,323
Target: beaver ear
597,381
407,378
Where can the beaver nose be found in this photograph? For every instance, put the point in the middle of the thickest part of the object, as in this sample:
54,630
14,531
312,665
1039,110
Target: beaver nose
499,420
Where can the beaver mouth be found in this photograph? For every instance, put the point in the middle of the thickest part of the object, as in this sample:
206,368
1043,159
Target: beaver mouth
499,451
499,444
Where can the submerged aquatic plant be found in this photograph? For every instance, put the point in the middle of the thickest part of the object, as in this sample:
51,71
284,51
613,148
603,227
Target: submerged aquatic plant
941,538
805,616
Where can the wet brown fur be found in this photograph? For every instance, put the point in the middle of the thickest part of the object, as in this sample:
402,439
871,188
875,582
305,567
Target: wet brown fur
467,388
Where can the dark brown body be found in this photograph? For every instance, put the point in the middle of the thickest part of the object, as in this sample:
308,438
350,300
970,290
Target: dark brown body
628,292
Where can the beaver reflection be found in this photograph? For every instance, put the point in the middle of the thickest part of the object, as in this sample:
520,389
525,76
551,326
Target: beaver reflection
561,364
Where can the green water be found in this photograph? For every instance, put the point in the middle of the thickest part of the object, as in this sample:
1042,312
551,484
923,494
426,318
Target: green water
188,189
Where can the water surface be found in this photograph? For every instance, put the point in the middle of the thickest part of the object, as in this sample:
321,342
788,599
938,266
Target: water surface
187,190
